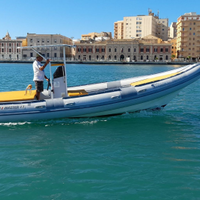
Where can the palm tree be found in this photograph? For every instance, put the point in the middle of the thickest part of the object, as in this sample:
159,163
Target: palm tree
173,57
189,58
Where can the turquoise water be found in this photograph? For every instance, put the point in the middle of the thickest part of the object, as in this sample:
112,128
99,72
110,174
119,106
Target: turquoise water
146,155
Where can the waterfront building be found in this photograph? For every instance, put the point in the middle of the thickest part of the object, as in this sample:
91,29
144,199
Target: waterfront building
141,26
174,48
8,48
149,48
55,53
188,36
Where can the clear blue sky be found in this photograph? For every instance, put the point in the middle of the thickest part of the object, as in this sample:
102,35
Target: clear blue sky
72,18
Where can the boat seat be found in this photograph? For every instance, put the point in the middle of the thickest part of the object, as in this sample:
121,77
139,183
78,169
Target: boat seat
17,96
72,93
151,80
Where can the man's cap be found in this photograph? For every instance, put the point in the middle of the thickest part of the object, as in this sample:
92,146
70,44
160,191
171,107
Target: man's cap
38,55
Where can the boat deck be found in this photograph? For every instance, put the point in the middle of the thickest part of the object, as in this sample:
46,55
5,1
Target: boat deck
17,96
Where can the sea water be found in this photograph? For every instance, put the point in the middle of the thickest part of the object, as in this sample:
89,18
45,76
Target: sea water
144,155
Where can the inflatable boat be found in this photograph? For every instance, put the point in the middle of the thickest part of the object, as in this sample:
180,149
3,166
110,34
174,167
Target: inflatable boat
150,92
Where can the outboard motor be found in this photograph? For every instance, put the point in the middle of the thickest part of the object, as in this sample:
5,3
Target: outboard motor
59,82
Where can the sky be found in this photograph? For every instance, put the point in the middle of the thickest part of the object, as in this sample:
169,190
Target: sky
72,18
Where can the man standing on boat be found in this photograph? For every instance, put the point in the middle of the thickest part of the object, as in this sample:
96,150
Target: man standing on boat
39,75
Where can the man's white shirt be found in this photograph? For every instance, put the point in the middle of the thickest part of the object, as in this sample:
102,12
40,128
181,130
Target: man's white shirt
38,74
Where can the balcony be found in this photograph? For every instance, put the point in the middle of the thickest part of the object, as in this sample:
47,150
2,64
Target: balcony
183,45
184,41
183,51
183,31
183,36
184,25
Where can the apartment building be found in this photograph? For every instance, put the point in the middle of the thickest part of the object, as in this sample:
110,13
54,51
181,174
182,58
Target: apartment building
188,36
172,30
55,53
141,26
162,29
149,48
8,48
119,30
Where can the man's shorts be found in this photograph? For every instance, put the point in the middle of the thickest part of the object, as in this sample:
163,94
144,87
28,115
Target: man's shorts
39,86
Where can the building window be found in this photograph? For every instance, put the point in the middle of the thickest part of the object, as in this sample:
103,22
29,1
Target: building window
55,55
134,49
115,58
55,41
141,50
31,40
10,51
84,49
166,50
129,50
141,57
147,50
161,49
115,49
109,50
102,50
97,50
155,50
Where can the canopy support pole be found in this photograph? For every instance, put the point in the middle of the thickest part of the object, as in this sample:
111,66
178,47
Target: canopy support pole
64,60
